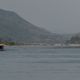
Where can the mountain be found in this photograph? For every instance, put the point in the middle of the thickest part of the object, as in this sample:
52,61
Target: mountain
14,28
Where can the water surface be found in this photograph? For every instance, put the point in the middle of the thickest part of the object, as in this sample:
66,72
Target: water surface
22,63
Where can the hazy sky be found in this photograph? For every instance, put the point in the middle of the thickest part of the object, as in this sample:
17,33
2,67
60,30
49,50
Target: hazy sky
60,16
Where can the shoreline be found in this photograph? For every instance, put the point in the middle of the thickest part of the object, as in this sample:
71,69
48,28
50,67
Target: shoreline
41,46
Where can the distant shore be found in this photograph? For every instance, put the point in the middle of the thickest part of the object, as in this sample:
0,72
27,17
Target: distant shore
50,46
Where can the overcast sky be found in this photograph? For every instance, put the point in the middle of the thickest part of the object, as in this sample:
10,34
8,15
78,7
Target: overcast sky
58,16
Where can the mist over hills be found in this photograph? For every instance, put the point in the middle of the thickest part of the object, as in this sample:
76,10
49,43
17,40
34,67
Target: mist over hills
15,28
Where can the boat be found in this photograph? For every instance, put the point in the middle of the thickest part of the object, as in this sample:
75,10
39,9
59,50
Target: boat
1,47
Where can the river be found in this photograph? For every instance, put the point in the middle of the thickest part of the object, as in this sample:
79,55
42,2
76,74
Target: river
23,63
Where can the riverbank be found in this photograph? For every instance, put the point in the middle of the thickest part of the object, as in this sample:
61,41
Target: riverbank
48,46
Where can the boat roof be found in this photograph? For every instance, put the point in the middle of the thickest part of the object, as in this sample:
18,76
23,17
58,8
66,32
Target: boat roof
2,44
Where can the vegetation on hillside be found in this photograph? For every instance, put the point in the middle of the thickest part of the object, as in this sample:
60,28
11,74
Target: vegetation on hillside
74,40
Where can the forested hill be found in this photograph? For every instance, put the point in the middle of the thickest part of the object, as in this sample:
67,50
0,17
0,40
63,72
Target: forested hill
15,28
